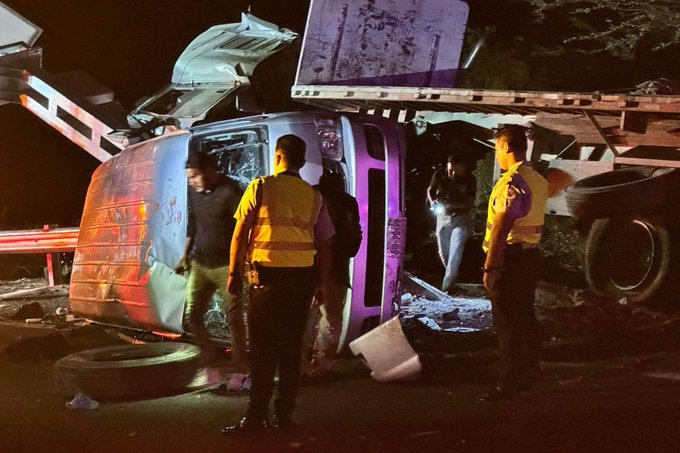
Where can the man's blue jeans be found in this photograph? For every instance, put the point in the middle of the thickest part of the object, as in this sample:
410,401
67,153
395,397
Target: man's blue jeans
452,232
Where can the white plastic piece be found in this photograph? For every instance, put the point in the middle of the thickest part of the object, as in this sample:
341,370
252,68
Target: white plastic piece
388,353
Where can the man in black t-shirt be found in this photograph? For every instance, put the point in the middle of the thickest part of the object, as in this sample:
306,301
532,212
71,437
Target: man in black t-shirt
451,195
344,212
213,200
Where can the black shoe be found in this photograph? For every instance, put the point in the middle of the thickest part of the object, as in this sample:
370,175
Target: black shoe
246,426
281,422
499,393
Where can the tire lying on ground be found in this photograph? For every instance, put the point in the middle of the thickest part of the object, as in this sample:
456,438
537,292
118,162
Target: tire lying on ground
639,190
631,257
129,371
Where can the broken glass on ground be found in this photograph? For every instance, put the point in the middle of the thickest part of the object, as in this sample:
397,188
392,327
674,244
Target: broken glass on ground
430,325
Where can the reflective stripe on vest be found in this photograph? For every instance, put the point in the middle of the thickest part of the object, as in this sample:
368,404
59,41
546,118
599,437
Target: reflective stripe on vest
526,230
283,232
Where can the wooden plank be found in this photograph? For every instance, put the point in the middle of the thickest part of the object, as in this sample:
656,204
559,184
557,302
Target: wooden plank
659,133
601,131
646,162
529,101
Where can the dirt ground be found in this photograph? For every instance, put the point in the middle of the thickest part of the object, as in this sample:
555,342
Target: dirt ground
611,381
567,316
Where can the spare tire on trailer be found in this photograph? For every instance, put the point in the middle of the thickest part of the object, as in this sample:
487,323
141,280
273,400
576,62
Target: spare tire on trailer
129,371
629,191
631,257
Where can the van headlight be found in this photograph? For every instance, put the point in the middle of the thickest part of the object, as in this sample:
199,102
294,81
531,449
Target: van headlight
330,139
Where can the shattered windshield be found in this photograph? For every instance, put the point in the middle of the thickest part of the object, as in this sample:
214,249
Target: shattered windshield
239,153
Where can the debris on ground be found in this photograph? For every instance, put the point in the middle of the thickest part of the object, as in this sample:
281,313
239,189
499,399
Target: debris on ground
428,322
35,293
591,315
453,315
552,296
468,311
29,311
30,301
82,402
437,322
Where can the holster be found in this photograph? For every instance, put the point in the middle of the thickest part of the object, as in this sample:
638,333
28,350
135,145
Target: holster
253,274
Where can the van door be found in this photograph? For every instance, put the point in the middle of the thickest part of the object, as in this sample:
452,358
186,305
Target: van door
241,155
376,162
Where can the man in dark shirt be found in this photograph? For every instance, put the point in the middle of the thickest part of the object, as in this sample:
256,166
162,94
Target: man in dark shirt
213,199
344,212
451,195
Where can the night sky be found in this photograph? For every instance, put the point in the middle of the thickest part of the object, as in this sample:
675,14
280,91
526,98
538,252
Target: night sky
131,46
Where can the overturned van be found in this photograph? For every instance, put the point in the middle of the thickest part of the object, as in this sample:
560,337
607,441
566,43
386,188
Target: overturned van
134,219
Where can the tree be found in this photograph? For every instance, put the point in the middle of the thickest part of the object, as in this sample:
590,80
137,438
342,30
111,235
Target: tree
618,26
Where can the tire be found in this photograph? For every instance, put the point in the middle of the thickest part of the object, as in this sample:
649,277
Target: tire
129,371
630,257
630,191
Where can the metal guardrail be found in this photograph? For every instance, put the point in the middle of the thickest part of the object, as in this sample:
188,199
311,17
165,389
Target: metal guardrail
50,241
39,241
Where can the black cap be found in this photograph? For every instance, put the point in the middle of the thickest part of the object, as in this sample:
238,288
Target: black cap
456,158
201,160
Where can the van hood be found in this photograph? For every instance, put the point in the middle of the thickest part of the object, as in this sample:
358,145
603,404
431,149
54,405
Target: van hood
229,53
15,29
213,70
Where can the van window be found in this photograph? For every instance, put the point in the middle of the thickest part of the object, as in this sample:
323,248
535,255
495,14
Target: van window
375,245
240,153
375,142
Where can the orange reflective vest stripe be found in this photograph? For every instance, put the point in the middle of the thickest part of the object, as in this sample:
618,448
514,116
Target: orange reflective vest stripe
526,230
283,231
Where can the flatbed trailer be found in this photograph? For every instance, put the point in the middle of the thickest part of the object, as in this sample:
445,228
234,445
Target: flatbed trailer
620,120
633,238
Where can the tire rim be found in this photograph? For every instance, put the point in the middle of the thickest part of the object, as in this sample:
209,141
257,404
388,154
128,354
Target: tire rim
632,251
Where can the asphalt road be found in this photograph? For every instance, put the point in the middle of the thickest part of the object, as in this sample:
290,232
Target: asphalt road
599,405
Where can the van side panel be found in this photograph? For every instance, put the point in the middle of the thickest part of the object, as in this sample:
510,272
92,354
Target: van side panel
131,236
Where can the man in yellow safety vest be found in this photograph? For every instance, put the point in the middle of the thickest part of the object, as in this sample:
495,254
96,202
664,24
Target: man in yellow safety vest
513,232
284,228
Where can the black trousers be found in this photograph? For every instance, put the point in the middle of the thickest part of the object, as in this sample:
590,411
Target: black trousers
277,317
514,319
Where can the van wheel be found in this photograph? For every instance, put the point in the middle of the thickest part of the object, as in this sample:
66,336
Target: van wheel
639,190
129,371
629,257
